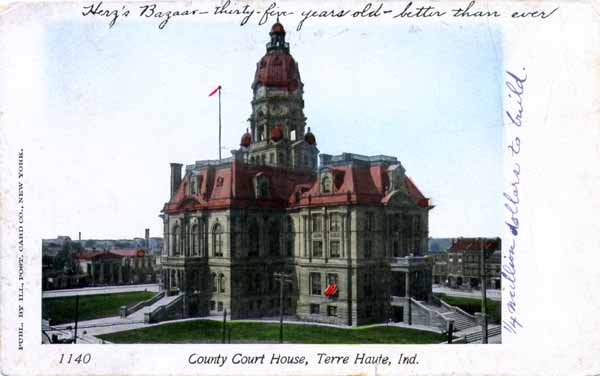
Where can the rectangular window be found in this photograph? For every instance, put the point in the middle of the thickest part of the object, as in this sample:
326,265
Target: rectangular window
335,223
315,283
290,247
331,310
220,307
334,247
315,309
212,305
317,248
368,248
317,223
369,222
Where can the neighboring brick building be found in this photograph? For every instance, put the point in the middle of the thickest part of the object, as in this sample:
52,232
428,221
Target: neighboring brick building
350,231
464,262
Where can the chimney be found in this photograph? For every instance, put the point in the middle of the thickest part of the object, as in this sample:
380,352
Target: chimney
175,176
147,236
80,236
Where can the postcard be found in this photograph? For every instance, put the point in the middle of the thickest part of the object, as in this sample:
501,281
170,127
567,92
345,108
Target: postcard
300,188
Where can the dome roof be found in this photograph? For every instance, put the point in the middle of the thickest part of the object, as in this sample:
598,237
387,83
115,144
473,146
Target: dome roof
246,139
277,133
277,28
277,69
310,138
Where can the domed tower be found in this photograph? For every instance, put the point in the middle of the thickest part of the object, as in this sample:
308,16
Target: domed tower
277,122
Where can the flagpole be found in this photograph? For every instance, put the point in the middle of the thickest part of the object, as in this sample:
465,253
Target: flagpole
219,123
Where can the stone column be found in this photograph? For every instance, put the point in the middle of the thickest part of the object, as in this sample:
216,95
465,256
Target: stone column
407,284
120,266
101,279
93,267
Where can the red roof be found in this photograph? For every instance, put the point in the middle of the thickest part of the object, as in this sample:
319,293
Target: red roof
474,244
98,255
129,252
277,28
233,186
246,139
309,137
277,69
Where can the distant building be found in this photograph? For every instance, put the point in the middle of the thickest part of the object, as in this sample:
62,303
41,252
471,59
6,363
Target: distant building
464,263
440,267
51,247
118,266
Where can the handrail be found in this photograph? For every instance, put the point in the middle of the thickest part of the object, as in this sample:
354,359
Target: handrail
431,312
144,303
456,308
150,316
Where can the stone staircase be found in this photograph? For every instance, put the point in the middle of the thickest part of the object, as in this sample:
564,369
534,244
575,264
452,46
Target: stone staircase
164,301
462,320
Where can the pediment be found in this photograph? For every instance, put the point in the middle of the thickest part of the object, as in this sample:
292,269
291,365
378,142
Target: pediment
399,198
188,202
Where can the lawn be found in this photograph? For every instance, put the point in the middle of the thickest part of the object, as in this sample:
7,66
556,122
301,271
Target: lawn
210,331
471,306
62,310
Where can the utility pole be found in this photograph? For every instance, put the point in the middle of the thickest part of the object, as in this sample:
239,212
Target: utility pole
483,294
282,278
76,317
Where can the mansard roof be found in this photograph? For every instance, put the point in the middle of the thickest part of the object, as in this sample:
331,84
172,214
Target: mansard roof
356,180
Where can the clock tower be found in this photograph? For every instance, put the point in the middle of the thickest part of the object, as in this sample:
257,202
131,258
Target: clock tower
278,136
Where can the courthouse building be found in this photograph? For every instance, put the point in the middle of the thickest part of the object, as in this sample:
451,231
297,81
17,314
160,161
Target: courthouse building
349,230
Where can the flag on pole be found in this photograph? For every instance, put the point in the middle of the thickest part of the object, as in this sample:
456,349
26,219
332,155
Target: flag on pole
214,91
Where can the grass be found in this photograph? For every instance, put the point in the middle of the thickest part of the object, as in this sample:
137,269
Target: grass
471,306
62,310
210,331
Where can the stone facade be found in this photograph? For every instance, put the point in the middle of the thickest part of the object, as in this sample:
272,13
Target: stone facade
353,225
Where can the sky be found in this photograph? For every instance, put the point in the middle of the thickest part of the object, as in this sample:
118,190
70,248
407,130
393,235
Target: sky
122,103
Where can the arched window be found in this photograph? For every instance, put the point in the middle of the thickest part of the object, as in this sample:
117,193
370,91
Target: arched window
195,235
218,240
214,281
261,186
221,282
175,241
253,233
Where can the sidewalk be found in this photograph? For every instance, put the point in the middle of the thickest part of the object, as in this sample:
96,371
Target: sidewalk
475,294
153,287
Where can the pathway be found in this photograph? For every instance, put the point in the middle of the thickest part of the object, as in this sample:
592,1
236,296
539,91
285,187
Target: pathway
100,290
